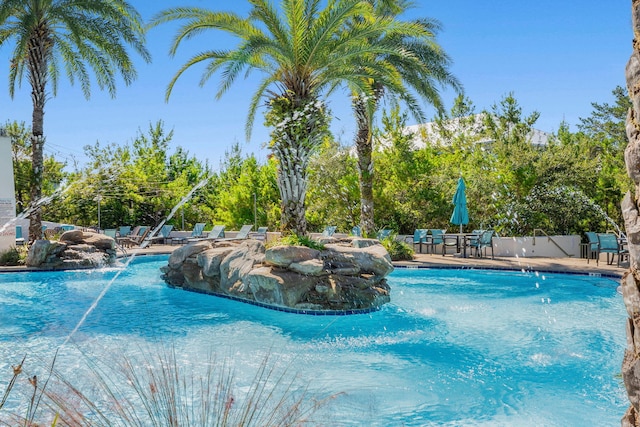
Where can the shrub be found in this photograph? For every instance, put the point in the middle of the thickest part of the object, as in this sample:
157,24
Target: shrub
13,256
398,250
295,240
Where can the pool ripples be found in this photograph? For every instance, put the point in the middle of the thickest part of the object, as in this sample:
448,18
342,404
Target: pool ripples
452,348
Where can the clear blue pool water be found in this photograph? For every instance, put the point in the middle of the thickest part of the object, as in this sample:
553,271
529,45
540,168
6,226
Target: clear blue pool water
453,348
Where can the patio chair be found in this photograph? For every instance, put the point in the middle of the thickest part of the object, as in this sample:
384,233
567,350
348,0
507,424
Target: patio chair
450,241
592,246
19,238
419,237
111,232
434,238
608,243
483,242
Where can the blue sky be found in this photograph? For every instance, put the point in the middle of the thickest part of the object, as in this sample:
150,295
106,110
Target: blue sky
556,57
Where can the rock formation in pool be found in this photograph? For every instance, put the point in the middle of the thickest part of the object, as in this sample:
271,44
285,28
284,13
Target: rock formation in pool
75,249
348,274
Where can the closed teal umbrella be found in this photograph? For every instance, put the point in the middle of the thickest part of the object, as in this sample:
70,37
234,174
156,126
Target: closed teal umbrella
460,215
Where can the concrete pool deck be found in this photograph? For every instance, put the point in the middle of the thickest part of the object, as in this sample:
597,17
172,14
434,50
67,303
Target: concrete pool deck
560,265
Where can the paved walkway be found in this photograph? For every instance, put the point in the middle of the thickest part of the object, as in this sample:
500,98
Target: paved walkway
565,265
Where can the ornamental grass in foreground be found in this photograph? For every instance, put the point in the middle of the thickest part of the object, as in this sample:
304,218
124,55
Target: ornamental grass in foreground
157,390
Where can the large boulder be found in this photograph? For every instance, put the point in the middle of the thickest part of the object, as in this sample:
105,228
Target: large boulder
340,277
279,287
76,249
178,256
283,256
372,259
235,267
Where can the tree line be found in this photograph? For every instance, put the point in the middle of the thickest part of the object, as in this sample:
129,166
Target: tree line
572,184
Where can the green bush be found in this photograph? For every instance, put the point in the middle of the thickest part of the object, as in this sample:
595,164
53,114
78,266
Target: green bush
295,240
398,250
12,257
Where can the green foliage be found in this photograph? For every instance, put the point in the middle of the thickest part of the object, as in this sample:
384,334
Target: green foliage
53,174
333,193
295,240
244,185
13,257
513,186
137,184
398,250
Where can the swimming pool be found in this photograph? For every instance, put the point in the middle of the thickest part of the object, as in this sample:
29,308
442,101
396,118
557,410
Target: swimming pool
454,347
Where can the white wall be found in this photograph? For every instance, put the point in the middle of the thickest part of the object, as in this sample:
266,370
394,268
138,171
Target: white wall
539,246
7,196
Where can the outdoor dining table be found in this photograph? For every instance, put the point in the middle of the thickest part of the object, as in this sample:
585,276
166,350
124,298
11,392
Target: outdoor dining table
462,241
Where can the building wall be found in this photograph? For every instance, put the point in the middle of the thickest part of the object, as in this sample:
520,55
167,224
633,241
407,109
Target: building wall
7,195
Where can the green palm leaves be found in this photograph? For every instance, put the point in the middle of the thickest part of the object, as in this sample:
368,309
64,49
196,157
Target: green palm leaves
70,36
304,52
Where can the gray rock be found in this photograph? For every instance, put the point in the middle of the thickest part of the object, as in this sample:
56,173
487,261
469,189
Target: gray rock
283,256
238,264
100,241
359,242
311,267
339,278
210,260
38,253
178,256
371,259
279,287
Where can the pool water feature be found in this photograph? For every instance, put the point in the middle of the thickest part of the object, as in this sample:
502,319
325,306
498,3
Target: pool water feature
454,347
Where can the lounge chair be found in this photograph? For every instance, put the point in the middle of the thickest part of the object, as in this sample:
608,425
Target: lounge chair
165,231
124,230
134,239
196,233
111,232
419,237
217,232
610,244
384,233
261,234
242,234
356,231
328,231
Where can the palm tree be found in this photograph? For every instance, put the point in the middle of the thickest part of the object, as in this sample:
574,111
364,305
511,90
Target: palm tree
427,71
303,54
76,35
631,212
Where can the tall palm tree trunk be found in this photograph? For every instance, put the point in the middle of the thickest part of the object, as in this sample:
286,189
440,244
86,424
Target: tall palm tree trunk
39,48
293,157
631,279
364,148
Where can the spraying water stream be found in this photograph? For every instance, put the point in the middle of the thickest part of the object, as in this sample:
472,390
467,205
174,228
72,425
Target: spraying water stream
144,244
